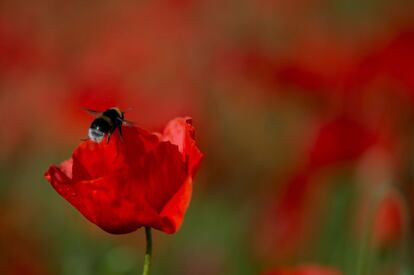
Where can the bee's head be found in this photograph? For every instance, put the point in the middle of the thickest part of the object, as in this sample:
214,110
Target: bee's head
96,135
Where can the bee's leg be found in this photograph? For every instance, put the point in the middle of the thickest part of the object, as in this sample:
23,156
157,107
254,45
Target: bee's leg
120,133
108,137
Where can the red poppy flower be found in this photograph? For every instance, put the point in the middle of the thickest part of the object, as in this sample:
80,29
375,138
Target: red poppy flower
305,270
144,180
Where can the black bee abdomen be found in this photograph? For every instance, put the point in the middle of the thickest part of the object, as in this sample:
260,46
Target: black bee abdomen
101,124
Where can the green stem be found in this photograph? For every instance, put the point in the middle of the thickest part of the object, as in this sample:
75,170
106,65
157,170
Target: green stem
148,252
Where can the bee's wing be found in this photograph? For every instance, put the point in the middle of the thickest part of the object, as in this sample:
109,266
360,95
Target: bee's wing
92,112
126,122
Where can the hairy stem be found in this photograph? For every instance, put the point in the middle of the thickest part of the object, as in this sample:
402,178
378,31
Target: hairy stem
148,252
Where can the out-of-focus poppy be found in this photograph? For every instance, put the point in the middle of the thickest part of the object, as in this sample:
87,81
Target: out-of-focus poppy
339,140
317,71
390,59
389,221
287,227
304,270
144,180
381,212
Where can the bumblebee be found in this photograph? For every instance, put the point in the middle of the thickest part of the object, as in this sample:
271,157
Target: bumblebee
105,123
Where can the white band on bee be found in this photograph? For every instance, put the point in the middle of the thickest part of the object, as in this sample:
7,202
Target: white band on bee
96,135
